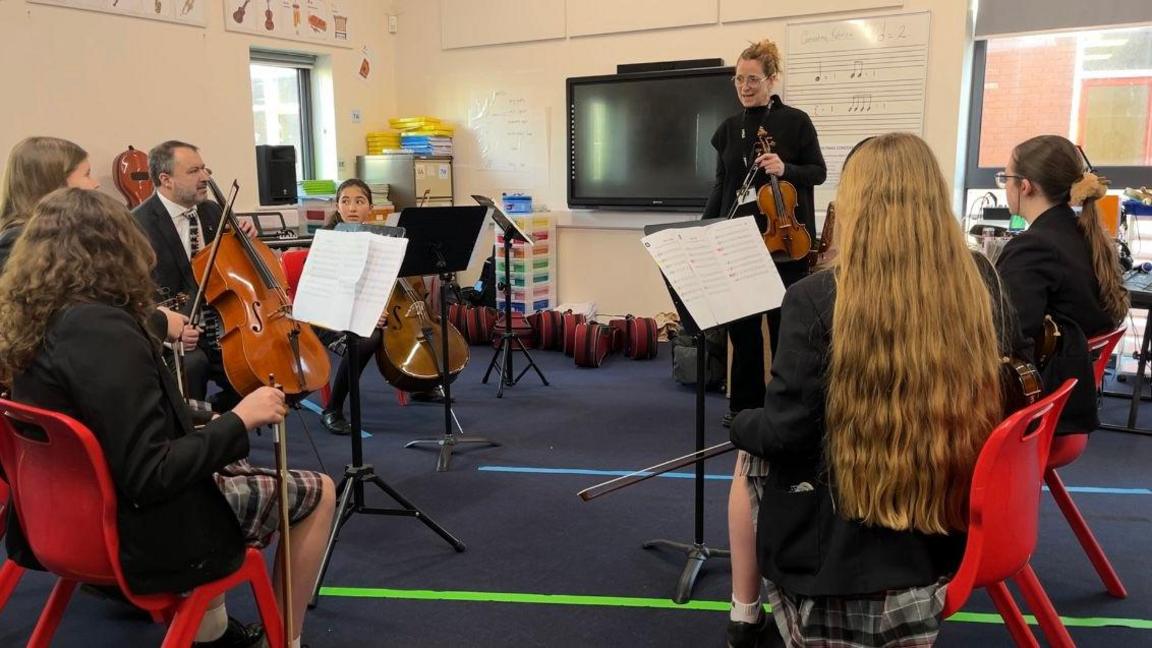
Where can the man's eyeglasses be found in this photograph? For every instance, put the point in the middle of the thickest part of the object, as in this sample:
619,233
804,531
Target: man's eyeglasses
1002,179
750,80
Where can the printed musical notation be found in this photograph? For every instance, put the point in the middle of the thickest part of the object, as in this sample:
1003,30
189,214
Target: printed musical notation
857,78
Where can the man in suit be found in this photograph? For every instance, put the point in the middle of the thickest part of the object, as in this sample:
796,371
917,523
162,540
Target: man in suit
179,221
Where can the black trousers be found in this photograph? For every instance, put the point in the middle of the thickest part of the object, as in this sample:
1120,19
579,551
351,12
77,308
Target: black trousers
365,351
203,365
747,383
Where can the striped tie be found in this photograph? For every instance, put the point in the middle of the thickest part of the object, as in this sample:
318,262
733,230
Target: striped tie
194,244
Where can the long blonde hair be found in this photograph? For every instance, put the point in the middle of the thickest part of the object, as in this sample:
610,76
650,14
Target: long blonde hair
36,167
1054,165
79,246
913,383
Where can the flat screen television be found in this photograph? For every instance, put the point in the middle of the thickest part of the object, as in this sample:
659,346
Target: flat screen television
643,140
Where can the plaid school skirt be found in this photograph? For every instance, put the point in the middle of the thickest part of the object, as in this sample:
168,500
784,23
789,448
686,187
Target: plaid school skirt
905,618
252,493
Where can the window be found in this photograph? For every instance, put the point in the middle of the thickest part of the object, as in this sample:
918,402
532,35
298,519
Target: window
281,104
1094,87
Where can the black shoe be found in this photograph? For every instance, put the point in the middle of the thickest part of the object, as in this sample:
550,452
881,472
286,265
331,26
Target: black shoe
237,635
431,396
727,420
748,635
334,421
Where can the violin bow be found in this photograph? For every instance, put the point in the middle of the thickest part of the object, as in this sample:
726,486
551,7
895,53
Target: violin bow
603,488
226,205
280,441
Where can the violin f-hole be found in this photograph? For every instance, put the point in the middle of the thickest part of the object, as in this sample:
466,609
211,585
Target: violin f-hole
257,320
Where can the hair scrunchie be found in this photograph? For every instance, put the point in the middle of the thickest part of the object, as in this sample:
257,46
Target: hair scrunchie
1089,187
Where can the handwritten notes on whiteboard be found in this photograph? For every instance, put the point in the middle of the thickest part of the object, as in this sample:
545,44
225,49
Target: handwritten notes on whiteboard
857,78
510,133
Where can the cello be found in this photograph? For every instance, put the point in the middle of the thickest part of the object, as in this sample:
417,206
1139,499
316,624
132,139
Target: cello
407,355
777,201
242,279
130,173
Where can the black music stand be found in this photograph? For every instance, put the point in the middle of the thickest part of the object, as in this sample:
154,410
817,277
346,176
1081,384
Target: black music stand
697,551
511,233
357,473
441,241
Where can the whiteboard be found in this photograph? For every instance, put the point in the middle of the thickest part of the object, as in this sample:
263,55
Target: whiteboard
467,23
857,78
737,10
588,17
184,12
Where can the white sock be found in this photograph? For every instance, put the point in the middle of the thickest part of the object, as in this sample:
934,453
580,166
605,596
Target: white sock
214,624
746,612
295,643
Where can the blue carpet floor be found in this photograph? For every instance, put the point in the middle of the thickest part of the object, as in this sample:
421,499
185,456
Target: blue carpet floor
543,568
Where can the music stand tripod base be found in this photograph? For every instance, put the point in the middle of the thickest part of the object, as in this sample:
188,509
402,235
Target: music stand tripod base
356,474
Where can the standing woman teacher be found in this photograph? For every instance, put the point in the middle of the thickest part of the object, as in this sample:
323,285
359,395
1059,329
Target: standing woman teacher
795,158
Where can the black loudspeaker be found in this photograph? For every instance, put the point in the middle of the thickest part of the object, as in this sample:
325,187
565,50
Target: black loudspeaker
276,174
664,66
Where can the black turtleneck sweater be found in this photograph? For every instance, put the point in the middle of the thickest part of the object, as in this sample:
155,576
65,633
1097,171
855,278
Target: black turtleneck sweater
795,143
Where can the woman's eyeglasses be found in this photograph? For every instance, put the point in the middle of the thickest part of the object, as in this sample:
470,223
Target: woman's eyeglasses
750,80
1002,179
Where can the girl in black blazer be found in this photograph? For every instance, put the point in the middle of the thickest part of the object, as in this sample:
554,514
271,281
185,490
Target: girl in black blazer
884,389
1064,266
73,309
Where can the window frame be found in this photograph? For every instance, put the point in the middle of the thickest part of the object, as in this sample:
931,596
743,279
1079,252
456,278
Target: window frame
303,64
977,178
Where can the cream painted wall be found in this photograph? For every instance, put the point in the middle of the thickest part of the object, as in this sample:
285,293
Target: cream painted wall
107,81
601,264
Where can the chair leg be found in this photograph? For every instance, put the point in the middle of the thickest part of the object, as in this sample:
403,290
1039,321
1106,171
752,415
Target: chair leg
1041,606
52,613
1084,535
186,621
1017,627
10,575
266,603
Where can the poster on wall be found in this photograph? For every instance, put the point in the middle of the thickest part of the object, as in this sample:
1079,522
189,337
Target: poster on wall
184,12
313,21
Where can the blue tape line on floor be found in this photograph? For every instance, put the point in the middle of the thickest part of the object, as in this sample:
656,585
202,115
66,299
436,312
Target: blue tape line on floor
688,475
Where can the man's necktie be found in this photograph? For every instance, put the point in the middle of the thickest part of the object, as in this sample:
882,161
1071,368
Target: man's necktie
194,244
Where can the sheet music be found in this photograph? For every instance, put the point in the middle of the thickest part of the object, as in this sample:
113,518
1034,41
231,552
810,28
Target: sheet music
721,272
347,280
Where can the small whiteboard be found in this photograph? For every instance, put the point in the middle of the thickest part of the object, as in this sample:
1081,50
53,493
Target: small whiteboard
857,78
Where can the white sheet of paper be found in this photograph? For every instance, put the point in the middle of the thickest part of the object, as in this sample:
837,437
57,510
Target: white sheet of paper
347,280
721,272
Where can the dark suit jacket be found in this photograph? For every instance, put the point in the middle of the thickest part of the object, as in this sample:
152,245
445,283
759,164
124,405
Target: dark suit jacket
173,272
1047,270
177,531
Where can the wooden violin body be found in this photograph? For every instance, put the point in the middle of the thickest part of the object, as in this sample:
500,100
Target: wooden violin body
258,336
130,174
784,235
1022,384
407,357
823,253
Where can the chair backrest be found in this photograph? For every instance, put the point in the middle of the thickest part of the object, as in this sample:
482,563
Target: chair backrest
293,263
1102,346
1004,506
3,507
62,492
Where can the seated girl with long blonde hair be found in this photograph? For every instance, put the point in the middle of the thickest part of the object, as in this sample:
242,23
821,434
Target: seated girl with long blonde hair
886,385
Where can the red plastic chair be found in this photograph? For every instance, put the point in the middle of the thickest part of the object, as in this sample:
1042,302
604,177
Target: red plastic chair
66,502
293,263
1003,515
1068,448
10,572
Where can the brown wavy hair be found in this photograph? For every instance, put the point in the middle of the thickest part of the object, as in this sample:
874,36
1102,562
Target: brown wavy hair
36,167
1053,164
913,382
78,247
767,54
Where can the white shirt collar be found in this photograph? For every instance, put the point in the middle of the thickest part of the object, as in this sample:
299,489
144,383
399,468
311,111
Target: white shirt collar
175,211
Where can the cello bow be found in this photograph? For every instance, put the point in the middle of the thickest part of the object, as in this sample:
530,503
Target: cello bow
615,484
284,556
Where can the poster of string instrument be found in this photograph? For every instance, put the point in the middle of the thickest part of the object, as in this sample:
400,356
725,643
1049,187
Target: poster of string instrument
314,21
857,78
185,12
